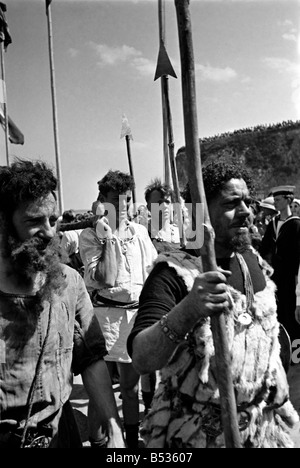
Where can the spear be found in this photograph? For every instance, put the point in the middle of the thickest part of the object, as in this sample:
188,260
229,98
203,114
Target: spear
5,40
163,70
223,362
162,39
126,132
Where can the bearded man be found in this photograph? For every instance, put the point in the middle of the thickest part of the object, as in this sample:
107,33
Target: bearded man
173,319
48,330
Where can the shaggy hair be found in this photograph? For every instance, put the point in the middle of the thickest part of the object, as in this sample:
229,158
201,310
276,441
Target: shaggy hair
164,189
69,216
117,181
216,174
24,181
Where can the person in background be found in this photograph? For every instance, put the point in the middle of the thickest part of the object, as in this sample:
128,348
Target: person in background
254,233
281,248
48,330
70,249
174,319
295,207
266,212
165,236
68,216
117,254
159,199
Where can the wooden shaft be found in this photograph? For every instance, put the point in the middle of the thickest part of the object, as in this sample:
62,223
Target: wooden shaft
5,112
54,110
162,38
223,360
127,138
165,79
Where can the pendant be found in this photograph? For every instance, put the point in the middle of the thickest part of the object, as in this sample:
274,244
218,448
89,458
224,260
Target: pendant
245,318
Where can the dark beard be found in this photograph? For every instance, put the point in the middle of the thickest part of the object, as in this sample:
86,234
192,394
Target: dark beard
26,259
241,242
34,256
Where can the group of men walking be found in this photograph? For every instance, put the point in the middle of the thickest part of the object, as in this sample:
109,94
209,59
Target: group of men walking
147,309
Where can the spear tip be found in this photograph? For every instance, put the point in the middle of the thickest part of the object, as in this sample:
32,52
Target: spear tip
125,130
164,66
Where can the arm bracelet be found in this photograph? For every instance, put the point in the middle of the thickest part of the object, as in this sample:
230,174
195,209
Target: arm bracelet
171,334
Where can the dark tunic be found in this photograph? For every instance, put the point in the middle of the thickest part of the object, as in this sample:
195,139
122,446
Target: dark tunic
164,289
283,254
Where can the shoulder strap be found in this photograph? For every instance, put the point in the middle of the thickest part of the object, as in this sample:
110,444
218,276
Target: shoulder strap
247,280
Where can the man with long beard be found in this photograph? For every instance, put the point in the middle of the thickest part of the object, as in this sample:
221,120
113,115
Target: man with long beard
48,331
173,319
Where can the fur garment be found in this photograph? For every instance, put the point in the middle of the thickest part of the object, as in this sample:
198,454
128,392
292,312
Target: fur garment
185,411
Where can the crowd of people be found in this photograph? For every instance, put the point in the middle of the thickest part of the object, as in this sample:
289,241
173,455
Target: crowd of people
112,295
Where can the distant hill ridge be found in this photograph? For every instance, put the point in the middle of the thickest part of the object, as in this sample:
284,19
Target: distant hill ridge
271,151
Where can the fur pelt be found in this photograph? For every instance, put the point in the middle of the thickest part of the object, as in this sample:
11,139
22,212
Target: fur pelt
188,393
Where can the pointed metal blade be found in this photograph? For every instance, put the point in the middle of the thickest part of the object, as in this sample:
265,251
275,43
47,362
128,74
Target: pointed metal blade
164,66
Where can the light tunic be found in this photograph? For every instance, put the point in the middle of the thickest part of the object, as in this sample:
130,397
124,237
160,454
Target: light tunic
135,256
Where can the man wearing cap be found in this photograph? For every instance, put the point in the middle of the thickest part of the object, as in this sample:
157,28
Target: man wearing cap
265,214
281,248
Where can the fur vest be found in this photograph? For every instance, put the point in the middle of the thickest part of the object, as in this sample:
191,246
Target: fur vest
185,411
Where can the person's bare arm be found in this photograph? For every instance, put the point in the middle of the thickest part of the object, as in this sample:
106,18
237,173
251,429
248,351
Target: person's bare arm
104,416
208,296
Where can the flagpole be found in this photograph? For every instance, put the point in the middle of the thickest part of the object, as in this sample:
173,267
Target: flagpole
162,39
54,109
4,98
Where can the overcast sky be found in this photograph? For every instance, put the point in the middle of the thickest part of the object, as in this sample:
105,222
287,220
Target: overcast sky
105,52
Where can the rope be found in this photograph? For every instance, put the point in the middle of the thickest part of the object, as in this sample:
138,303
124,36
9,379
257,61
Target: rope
35,380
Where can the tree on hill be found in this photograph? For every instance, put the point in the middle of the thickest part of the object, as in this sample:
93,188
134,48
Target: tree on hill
272,152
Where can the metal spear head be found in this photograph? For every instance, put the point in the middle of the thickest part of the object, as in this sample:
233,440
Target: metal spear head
164,66
126,130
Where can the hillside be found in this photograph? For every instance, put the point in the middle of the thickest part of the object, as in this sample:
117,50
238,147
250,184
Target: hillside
271,151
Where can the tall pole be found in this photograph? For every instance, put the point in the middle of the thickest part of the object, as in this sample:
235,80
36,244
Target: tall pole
162,39
163,70
126,132
218,325
5,40
54,109
5,113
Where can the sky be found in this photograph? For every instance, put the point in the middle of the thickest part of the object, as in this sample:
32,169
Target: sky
247,64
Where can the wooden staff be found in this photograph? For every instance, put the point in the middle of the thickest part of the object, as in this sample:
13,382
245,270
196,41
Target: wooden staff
162,39
54,108
223,361
5,40
126,132
163,70
5,113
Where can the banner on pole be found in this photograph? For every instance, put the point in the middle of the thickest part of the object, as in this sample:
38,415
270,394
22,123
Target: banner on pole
4,31
14,134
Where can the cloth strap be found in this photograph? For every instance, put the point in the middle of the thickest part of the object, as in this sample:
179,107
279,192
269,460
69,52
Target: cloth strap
100,301
247,280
